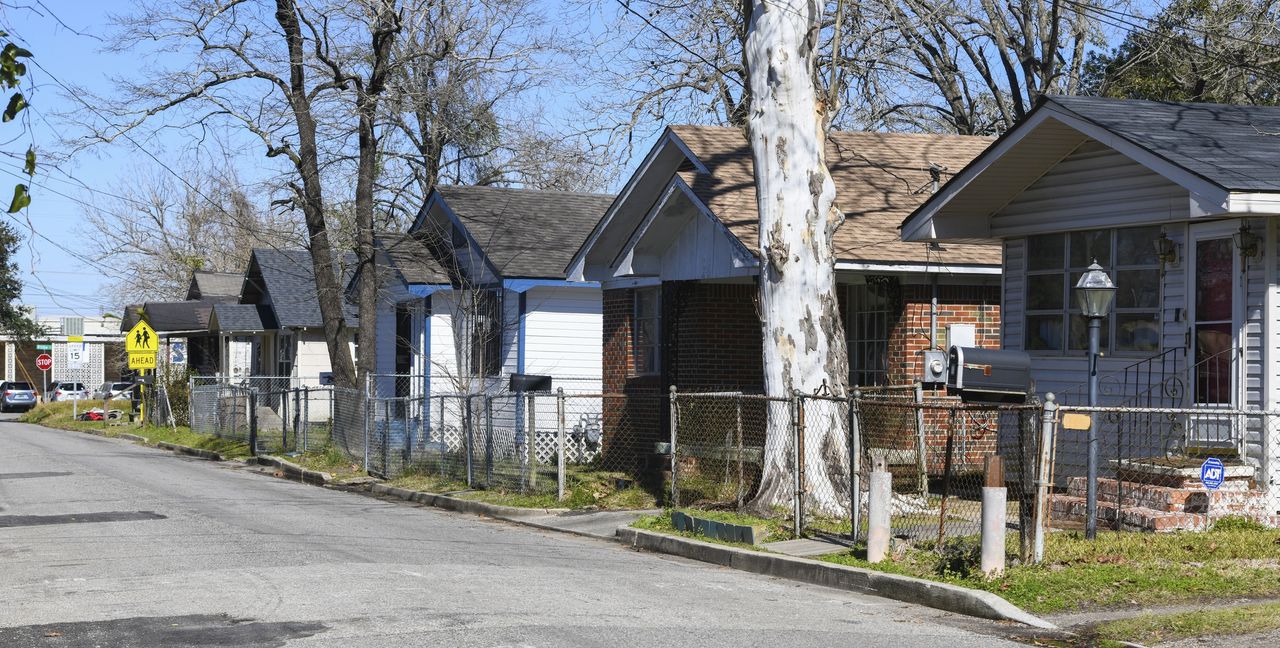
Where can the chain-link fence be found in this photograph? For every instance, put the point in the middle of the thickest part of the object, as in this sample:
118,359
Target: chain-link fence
271,413
1164,469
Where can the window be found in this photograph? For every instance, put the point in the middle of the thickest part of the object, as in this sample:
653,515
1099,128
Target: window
645,343
1054,265
873,308
486,333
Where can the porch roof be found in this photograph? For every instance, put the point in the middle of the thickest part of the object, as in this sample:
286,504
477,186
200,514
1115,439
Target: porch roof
242,318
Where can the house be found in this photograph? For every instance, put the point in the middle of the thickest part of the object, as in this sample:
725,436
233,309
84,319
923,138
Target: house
1177,202
677,257
485,295
275,330
183,326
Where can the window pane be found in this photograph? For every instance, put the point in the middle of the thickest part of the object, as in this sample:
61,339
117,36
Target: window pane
1078,336
1137,288
1044,333
1044,252
1213,280
1137,332
1044,292
1087,246
1213,363
1136,246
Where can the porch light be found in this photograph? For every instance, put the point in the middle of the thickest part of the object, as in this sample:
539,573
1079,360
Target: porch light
1166,249
1095,292
1247,242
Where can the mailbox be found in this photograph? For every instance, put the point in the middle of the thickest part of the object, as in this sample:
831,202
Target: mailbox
530,383
989,375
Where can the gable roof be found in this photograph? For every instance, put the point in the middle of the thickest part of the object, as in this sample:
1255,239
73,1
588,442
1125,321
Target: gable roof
288,281
242,318
409,255
1232,146
526,233
880,178
215,286
175,317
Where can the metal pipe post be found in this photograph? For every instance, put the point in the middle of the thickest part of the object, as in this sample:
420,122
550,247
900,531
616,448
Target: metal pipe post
1091,485
530,436
797,466
922,468
855,467
488,441
1047,421
468,426
560,443
879,505
672,414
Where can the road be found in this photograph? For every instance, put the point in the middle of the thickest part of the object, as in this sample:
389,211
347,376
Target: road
104,543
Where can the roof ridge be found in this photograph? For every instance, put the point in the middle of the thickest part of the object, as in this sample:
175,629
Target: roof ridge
557,192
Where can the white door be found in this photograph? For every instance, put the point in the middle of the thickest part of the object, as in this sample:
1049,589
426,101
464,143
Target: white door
1215,293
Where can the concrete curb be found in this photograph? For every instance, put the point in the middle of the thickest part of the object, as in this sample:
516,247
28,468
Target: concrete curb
943,596
511,513
293,470
192,452
133,437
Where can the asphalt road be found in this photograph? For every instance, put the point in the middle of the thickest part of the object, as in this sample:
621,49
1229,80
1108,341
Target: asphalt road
104,543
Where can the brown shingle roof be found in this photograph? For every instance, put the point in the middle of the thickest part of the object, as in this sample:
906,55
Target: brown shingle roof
880,179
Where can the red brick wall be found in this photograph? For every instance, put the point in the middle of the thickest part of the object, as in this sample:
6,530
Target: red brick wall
977,305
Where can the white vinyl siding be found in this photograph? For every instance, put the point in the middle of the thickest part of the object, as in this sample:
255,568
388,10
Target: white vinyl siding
1093,187
563,336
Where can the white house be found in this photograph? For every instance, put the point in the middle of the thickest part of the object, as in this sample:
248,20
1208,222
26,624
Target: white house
1177,201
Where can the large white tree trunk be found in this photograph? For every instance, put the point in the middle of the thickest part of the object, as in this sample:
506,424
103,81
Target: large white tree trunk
804,344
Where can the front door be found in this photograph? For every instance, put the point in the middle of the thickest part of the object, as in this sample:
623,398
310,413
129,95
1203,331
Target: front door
1214,283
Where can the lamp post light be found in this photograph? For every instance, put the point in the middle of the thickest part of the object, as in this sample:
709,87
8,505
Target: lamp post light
1094,292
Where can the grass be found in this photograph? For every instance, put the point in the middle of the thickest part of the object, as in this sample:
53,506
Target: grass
775,528
1159,628
58,415
585,489
1115,570
329,459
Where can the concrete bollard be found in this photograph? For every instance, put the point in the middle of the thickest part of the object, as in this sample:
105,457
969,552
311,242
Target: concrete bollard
994,512
879,504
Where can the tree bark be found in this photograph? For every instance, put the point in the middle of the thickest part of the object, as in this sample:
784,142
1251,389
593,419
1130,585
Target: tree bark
385,26
804,347
311,199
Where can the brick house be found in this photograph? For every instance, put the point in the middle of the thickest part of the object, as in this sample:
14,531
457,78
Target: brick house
676,255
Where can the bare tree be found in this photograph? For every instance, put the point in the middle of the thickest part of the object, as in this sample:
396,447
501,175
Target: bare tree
804,348
157,230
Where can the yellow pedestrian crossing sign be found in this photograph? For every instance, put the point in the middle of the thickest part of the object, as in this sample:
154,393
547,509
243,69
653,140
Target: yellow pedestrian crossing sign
142,344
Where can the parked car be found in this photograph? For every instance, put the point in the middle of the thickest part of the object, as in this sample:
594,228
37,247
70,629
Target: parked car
16,396
67,390
113,391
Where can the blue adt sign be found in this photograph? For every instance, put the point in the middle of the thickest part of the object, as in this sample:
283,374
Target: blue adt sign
1212,473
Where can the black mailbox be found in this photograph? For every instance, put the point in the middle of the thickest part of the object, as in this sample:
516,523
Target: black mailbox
530,383
989,375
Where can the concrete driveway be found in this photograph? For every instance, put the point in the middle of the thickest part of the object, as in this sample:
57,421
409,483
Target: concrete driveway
104,543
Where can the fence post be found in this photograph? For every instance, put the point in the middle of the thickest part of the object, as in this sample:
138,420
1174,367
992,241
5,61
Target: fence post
467,441
253,422
922,468
738,426
797,445
408,437
368,416
1048,421
297,419
672,416
855,467
530,440
191,403
306,418
488,441
560,443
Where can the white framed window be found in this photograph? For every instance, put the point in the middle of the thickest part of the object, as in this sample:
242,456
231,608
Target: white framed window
486,333
1054,265
646,344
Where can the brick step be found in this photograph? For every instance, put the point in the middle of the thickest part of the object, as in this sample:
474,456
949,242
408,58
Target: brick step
1067,508
1170,499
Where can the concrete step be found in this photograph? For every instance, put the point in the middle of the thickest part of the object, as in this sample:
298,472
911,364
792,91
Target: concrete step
1068,508
1171,499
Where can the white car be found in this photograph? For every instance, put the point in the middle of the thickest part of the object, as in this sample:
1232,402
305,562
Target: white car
113,391
65,391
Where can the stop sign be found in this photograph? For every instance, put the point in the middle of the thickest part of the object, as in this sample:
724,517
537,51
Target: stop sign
44,362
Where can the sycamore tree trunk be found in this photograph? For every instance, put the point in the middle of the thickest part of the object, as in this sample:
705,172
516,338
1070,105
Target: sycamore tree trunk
804,347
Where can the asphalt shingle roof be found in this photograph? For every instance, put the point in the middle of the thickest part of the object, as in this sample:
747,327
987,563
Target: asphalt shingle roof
1235,147
215,286
243,317
169,317
289,281
880,178
410,256
525,232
